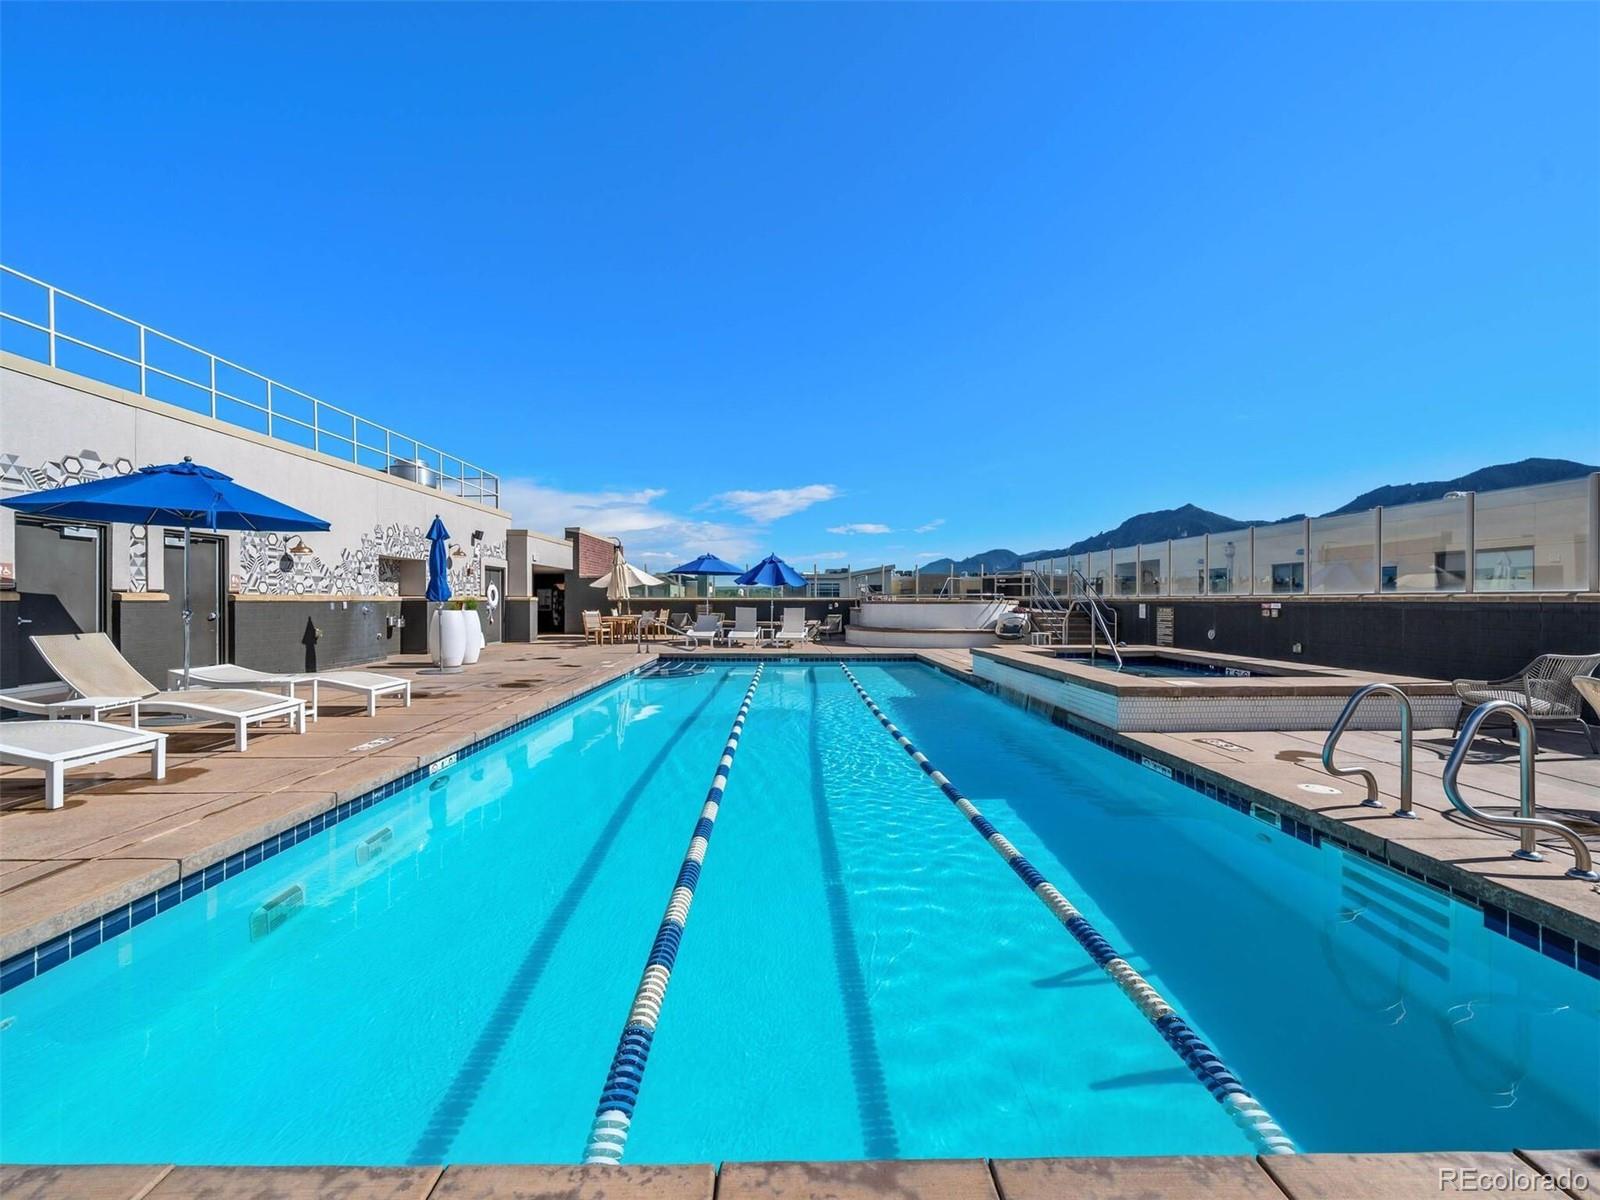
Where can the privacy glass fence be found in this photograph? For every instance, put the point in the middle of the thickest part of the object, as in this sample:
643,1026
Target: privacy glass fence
51,326
1530,539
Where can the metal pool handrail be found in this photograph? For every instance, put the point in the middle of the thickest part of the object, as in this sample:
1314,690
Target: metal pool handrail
1247,1112
608,1136
1337,731
1526,821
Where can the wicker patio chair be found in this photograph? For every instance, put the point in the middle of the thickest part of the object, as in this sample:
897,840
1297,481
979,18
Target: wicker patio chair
1543,689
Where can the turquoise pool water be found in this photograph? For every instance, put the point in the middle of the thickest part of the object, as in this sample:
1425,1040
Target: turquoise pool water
861,975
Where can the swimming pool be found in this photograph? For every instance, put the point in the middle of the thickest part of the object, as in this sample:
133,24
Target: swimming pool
861,975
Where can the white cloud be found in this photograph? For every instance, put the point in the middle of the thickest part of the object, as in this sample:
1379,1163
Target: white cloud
930,526
860,527
648,532
776,503
818,556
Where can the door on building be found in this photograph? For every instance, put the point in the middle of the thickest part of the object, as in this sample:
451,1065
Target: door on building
61,588
494,603
552,607
207,562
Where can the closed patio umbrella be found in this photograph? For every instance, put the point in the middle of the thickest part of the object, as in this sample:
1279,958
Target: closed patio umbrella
186,494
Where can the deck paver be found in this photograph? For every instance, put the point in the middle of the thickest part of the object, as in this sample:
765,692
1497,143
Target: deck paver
627,1182
928,1179
79,1183
1420,1176
1182,1177
33,832
223,828
36,905
297,1183
1577,1172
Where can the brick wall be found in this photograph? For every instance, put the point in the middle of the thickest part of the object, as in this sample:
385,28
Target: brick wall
594,555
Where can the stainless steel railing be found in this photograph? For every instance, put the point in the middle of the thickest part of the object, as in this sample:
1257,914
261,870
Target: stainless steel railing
171,370
1335,733
1084,596
1526,820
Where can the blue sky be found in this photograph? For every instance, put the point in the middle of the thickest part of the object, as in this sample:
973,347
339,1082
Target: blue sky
852,283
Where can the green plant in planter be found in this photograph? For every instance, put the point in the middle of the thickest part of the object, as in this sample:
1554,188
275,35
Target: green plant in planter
470,604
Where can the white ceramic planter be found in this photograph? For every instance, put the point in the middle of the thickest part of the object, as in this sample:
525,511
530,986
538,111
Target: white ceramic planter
447,637
472,627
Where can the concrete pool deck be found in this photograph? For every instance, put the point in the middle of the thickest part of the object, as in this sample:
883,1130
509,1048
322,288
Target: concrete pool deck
122,835
1566,1174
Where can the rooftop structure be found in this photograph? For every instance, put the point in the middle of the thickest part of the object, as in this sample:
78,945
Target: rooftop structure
41,321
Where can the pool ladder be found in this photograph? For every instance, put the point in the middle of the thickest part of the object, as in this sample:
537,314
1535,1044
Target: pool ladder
1527,822
1337,731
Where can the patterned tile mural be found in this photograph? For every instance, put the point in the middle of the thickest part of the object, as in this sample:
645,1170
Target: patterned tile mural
71,468
82,467
266,566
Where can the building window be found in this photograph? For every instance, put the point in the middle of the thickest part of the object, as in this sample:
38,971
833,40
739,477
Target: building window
1289,577
1507,569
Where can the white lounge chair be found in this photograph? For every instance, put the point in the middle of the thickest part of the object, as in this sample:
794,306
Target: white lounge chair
707,628
90,665
53,746
794,628
369,684
89,707
744,628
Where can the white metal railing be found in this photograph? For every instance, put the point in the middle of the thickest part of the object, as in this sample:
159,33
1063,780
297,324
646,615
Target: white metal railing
222,389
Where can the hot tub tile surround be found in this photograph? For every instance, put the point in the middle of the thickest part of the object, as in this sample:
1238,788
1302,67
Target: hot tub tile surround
1277,696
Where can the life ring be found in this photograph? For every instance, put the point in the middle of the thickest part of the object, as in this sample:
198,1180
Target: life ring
491,596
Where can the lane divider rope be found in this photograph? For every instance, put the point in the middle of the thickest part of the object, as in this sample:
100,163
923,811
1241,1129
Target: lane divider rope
609,1134
1246,1111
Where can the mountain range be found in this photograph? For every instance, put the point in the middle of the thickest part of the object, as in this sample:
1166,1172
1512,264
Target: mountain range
1190,519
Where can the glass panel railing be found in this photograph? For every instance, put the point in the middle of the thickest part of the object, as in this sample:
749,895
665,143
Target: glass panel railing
1153,570
1532,539
1344,554
1425,546
1100,576
1280,559
1188,567
1228,568
1125,571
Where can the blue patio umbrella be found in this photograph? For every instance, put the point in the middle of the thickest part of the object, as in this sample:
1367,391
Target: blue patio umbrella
186,494
771,572
438,563
706,564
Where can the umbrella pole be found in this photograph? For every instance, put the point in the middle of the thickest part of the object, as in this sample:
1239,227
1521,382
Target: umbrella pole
186,613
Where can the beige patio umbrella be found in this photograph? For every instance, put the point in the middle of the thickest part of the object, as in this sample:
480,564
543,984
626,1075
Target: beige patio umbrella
623,577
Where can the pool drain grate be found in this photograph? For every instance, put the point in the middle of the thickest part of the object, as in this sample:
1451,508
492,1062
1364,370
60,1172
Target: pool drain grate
1244,1108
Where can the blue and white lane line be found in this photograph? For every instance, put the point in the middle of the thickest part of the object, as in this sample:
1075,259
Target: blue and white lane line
608,1137
1244,1108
